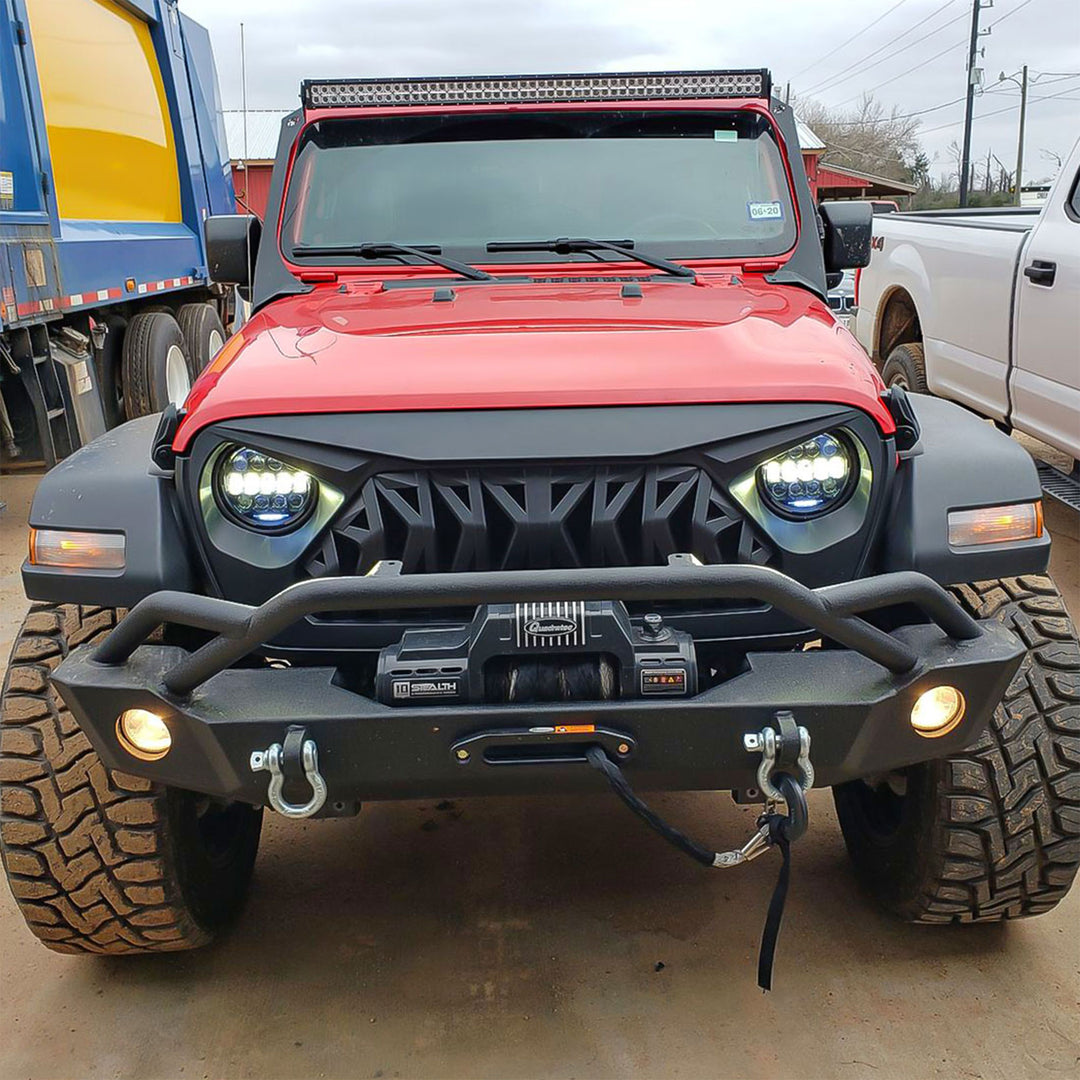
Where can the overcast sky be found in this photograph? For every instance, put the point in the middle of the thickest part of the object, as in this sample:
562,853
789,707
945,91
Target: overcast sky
288,41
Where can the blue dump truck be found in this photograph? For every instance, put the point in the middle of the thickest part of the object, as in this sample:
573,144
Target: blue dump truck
112,154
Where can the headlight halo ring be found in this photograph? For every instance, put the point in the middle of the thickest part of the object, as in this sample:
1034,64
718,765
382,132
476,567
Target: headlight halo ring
274,474
830,500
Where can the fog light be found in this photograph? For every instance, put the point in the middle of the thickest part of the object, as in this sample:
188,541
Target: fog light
144,734
937,711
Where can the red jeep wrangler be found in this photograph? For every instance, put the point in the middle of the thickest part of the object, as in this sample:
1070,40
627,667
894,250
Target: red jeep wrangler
541,465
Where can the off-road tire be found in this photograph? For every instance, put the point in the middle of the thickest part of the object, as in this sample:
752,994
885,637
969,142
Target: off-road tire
100,861
149,343
994,832
203,334
906,367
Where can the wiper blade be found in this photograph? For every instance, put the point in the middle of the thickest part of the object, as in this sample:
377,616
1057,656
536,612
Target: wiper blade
428,253
567,245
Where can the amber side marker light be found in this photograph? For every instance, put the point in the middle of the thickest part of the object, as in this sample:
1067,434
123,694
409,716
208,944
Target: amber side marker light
996,524
143,734
936,712
77,550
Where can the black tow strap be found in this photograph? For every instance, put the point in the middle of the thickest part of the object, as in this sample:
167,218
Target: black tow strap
782,830
770,933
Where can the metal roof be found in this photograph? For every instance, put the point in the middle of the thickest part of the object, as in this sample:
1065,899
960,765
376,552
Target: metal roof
264,125
263,128
807,139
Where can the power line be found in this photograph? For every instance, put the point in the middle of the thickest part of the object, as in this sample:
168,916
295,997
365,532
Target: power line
848,41
1009,14
915,67
955,101
835,80
899,116
1008,108
906,71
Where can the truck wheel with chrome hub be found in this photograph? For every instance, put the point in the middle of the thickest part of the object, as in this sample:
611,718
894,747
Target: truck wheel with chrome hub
156,368
100,861
992,833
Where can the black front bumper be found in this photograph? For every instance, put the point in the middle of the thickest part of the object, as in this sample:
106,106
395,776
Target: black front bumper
855,699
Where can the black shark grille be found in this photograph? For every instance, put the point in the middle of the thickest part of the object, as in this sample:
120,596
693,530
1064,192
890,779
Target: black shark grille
536,517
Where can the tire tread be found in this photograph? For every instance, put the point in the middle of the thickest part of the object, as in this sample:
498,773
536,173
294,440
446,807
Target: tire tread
1009,807
85,848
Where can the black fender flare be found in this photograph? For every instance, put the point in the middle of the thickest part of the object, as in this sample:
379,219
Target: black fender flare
961,461
111,485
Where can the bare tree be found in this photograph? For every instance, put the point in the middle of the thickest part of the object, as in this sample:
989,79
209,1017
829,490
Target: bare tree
866,137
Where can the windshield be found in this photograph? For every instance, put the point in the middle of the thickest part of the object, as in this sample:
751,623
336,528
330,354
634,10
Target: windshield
678,184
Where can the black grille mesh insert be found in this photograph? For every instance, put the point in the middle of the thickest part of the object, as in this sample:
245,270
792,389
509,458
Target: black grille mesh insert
536,517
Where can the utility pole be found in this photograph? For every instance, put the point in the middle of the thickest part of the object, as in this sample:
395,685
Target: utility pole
1022,82
787,92
1020,141
969,108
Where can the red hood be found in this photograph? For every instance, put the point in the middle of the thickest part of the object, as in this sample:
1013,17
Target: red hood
534,345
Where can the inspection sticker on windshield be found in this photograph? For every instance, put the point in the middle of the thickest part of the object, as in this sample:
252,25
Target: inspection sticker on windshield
765,211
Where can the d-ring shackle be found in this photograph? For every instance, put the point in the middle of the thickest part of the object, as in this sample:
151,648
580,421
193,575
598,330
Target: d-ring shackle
270,761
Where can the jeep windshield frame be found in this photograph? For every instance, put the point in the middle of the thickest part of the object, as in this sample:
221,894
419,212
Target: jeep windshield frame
687,183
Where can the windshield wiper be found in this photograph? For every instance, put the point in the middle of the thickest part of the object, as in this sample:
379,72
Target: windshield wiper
429,253
568,245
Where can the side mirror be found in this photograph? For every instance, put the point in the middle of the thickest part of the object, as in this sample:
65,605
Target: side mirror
849,227
231,243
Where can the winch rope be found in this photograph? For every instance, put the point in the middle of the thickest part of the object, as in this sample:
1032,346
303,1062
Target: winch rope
774,829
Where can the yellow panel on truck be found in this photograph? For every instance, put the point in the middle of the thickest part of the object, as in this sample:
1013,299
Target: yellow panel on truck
109,130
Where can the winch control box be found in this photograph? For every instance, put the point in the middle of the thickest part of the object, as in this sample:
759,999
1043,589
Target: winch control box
610,655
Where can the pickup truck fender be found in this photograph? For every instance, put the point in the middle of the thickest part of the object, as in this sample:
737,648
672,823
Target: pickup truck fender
909,276
111,485
965,462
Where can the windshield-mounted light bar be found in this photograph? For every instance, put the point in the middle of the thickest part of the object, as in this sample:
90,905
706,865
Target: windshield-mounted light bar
499,89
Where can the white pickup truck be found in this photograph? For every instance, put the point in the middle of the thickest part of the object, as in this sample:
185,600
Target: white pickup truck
983,307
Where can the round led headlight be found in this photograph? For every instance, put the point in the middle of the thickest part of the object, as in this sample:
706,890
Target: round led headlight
810,478
262,492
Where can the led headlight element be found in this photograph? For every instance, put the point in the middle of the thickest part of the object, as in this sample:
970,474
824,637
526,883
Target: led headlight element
263,492
810,478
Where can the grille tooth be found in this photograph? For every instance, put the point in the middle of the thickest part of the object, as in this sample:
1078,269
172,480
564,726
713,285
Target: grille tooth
535,517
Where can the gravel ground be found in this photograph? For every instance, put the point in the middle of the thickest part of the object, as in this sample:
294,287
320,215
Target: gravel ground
546,937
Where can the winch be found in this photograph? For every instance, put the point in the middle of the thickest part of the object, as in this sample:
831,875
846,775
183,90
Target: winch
557,650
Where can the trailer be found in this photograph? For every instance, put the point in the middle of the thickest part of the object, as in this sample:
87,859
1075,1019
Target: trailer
112,154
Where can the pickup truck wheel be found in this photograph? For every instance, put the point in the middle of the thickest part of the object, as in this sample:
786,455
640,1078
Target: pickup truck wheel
156,368
994,832
203,334
906,368
100,861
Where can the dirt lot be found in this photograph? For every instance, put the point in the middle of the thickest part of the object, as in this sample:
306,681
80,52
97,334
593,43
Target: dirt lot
546,937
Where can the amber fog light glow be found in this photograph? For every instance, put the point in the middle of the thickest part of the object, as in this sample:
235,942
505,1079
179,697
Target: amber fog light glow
78,550
937,711
144,734
996,524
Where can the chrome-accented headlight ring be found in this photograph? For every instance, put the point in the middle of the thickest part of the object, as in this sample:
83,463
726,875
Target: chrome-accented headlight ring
810,478
262,492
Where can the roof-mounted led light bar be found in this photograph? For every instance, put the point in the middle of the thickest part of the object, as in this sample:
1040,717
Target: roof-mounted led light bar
502,89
